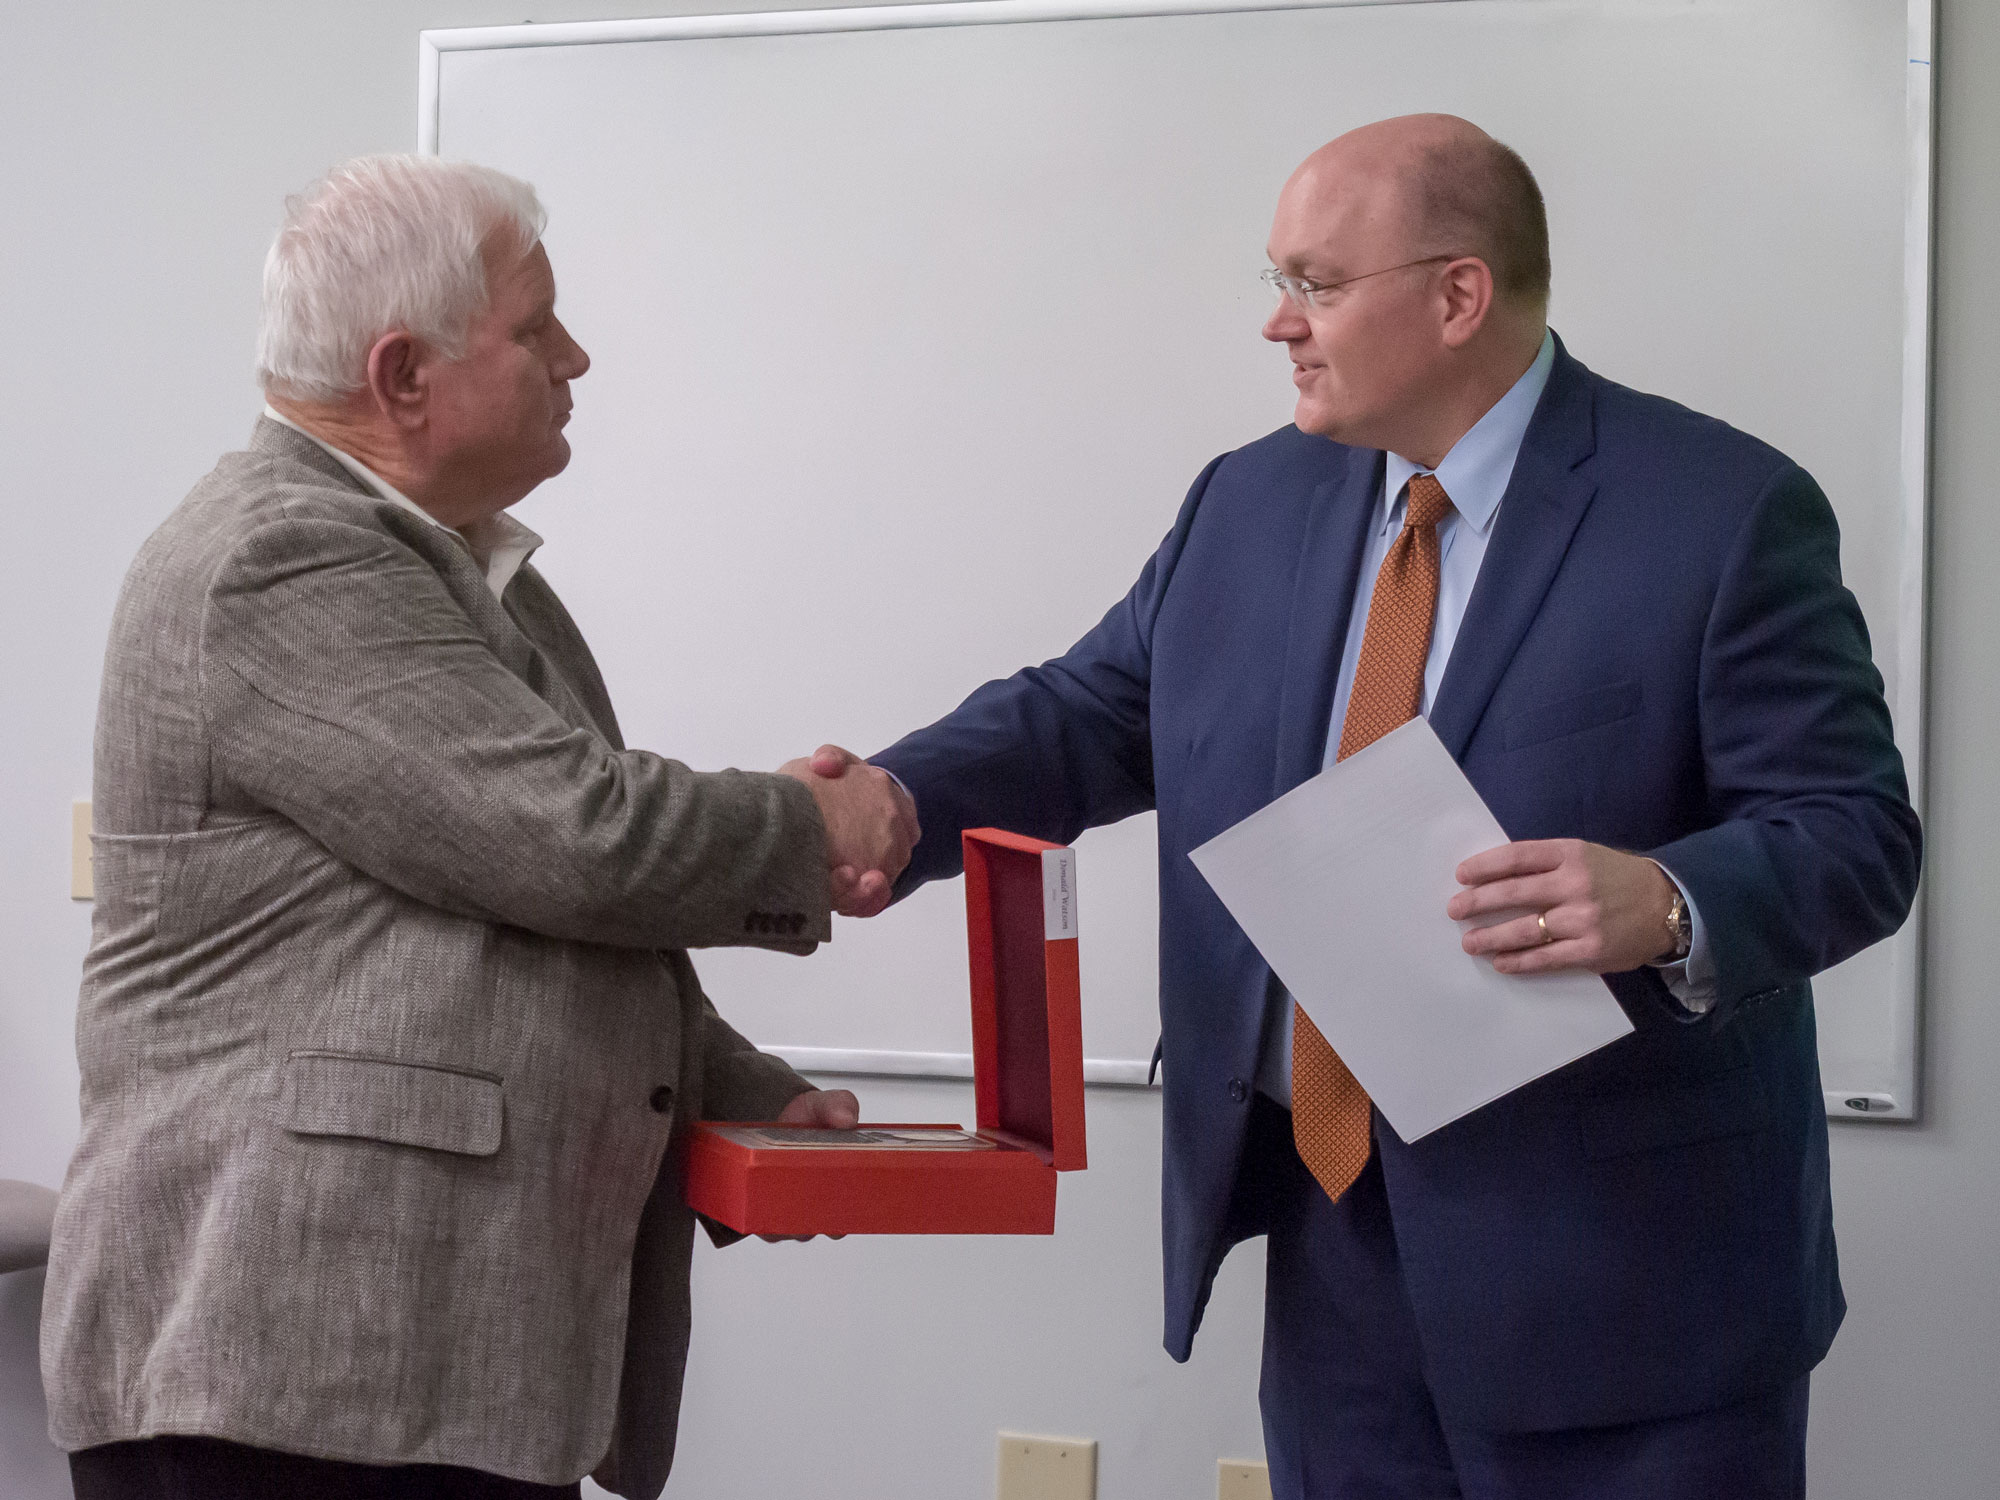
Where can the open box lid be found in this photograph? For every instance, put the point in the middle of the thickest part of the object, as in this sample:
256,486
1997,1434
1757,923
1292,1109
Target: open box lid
1027,1021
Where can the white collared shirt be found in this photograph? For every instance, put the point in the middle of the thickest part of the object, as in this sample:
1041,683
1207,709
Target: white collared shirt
498,543
1474,475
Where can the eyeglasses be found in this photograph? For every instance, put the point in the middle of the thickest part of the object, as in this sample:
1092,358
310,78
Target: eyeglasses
1306,294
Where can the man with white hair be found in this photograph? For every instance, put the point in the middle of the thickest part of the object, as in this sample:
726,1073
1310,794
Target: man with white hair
387,1022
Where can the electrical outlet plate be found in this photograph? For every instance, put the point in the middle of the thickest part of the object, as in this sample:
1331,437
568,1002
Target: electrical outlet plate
1240,1479
81,885
1045,1468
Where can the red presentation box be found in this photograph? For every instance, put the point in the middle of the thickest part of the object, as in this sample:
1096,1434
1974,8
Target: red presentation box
1027,1069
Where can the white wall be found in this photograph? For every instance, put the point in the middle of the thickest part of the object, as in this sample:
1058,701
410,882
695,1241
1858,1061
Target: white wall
147,149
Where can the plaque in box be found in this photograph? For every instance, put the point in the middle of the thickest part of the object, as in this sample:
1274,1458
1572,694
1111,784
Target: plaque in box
1027,1067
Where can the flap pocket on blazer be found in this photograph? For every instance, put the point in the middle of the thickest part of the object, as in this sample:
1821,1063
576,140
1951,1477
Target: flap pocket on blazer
1727,1104
1572,715
381,1099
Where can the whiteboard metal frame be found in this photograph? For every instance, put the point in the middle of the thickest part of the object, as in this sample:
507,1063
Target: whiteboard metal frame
432,45
1104,1072
1913,587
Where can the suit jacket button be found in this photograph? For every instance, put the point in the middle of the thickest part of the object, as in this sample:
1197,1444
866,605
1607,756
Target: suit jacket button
662,1100
1237,1090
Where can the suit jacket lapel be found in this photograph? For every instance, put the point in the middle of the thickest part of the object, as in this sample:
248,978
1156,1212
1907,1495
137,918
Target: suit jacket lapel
1322,596
517,648
1550,490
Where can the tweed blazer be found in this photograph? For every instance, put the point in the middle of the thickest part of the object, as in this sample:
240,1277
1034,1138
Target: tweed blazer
387,1022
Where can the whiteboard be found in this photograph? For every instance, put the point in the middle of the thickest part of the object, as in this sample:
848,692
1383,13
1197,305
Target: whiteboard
911,326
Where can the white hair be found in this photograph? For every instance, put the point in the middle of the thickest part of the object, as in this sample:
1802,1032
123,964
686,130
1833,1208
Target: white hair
381,243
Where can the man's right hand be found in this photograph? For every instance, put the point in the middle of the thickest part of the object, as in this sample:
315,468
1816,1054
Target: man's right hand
871,826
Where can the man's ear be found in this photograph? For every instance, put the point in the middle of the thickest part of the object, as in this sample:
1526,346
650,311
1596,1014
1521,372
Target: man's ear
396,378
1467,290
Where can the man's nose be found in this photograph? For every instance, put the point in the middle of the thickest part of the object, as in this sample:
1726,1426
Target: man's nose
573,363
1286,323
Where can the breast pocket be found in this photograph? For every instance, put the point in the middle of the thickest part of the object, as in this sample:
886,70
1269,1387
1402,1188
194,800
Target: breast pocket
1572,715
384,1099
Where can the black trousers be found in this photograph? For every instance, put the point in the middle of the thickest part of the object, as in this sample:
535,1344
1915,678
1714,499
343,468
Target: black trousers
199,1468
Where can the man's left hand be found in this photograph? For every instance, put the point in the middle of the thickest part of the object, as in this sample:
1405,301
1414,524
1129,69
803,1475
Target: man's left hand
1600,910
822,1109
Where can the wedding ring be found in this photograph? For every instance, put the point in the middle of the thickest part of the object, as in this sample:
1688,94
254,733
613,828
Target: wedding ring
1542,921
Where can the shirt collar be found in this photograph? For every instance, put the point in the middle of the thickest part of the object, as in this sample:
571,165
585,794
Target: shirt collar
1476,471
498,543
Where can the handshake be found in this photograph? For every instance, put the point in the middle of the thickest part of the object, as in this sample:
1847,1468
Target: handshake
871,826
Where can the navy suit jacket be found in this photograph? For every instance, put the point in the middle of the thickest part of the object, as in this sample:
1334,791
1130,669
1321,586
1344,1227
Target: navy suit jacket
1659,655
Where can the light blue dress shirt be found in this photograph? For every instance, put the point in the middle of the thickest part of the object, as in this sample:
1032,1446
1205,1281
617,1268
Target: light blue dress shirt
1475,475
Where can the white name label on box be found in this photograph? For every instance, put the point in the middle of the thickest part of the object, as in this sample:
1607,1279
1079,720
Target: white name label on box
1058,893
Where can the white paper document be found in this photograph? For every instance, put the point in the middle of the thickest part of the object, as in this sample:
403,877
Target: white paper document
1342,885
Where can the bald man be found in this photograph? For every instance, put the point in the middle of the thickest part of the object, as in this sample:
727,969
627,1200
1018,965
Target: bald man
1626,622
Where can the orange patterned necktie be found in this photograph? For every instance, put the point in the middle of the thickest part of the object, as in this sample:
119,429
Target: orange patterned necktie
1330,1121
